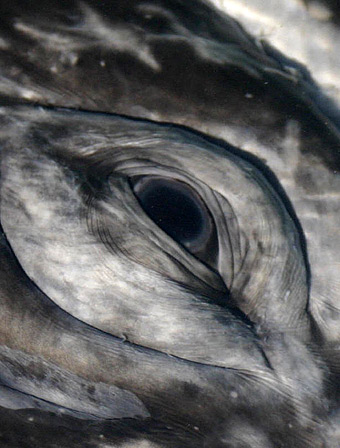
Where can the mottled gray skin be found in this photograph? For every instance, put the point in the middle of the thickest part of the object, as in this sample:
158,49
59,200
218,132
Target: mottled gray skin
112,334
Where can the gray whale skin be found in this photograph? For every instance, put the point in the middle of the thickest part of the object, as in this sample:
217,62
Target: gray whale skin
169,272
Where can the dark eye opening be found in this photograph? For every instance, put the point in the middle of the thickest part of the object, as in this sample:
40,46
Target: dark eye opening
179,211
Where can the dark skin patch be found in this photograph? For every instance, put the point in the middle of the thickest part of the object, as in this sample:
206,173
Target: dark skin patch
45,135
47,428
91,390
190,390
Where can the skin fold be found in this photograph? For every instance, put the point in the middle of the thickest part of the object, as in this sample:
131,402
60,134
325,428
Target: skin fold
116,332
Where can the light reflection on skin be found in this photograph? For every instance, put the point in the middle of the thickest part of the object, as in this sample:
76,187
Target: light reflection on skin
306,35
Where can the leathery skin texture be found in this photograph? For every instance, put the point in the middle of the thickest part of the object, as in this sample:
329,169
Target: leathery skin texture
169,206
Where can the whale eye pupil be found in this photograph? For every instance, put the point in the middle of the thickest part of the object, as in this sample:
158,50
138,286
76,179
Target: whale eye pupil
176,208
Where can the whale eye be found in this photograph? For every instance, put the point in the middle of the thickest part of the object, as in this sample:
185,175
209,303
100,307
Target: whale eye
179,211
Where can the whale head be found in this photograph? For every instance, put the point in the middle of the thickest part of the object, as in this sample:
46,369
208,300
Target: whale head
169,271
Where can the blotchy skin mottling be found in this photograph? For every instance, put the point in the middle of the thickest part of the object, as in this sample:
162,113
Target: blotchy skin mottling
112,333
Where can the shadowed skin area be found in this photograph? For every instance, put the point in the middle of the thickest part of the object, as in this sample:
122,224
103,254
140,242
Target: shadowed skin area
169,272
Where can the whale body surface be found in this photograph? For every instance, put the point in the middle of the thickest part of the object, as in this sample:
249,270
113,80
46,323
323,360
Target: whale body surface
169,206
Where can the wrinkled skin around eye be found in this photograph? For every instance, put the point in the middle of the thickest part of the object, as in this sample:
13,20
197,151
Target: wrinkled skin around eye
160,287
94,251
